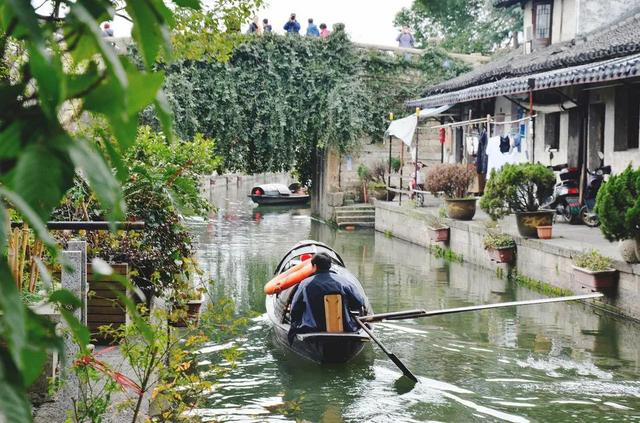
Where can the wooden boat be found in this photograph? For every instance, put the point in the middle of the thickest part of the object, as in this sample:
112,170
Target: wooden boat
321,347
277,194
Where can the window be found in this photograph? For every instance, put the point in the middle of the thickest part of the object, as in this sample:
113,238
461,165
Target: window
552,130
542,12
627,118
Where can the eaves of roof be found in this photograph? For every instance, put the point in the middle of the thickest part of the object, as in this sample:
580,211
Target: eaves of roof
607,70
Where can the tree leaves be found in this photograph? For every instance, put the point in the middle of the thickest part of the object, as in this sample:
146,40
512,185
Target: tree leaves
42,186
99,177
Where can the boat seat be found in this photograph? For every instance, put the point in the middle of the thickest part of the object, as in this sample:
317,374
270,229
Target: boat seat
333,313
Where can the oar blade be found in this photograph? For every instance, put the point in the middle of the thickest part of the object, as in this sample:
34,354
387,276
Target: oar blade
402,367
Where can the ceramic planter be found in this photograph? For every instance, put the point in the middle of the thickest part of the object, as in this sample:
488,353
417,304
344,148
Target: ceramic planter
602,280
528,222
439,234
544,232
461,208
501,255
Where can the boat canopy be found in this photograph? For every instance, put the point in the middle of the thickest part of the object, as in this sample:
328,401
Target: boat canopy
273,189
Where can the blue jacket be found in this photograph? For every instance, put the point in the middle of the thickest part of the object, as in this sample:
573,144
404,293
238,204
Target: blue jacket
313,31
292,27
307,306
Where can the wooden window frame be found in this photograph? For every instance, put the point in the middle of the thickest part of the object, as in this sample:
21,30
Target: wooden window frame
534,9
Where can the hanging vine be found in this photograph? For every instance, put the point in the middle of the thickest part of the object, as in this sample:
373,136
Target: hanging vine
279,100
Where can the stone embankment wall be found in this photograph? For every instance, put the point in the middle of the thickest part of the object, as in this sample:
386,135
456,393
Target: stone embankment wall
535,258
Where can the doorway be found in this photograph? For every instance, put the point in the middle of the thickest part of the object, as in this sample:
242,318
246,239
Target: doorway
596,134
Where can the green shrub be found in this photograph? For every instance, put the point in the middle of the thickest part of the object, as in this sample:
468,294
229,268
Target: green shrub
593,260
364,173
618,206
517,188
396,164
451,179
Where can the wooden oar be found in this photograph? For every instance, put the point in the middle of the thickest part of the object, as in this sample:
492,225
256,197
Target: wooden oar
392,356
412,314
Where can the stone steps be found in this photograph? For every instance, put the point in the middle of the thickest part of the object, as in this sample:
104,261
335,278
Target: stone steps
357,215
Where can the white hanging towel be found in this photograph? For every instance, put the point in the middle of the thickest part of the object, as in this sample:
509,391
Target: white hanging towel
403,129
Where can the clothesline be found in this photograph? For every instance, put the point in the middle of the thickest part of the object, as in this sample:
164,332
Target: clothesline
488,120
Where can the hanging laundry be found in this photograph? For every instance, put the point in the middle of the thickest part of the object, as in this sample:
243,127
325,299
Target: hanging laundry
482,160
496,158
505,145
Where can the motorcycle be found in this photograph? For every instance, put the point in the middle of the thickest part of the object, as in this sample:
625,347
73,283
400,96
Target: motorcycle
565,198
595,179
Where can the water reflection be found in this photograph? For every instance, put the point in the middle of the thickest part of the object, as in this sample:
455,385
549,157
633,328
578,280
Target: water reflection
556,362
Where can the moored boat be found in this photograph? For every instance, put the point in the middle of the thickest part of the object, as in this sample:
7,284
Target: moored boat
321,347
277,194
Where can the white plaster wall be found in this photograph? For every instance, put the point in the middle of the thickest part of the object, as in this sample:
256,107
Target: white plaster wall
593,14
564,20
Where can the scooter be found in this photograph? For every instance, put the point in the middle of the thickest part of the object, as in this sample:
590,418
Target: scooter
565,198
595,179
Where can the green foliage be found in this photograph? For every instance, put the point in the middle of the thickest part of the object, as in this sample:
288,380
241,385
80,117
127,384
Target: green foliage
396,164
55,68
618,205
446,253
364,173
279,100
497,240
451,179
205,35
516,188
537,285
464,26
593,260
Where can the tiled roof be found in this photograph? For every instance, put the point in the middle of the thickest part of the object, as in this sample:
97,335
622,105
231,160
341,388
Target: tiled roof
606,70
618,40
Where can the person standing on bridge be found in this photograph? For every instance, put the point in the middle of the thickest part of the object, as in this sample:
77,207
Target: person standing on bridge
405,39
266,26
292,26
312,29
324,32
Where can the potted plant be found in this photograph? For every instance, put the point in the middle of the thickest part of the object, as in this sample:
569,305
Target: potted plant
378,183
500,246
520,189
437,229
364,174
453,181
618,207
595,271
187,310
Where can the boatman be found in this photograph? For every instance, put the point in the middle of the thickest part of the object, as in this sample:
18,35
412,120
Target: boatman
307,307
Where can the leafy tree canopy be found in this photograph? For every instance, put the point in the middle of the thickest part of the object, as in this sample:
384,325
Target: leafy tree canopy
464,26
280,99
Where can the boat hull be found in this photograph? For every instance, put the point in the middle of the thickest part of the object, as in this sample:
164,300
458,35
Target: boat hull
323,347
280,200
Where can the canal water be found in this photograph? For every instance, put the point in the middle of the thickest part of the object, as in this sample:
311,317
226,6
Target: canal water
544,363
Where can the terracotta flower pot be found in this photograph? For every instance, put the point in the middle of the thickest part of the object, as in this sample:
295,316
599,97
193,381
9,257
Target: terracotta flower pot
544,232
501,255
602,280
461,208
528,222
439,234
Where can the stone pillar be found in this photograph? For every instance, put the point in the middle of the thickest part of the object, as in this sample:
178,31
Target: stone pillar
71,279
79,245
